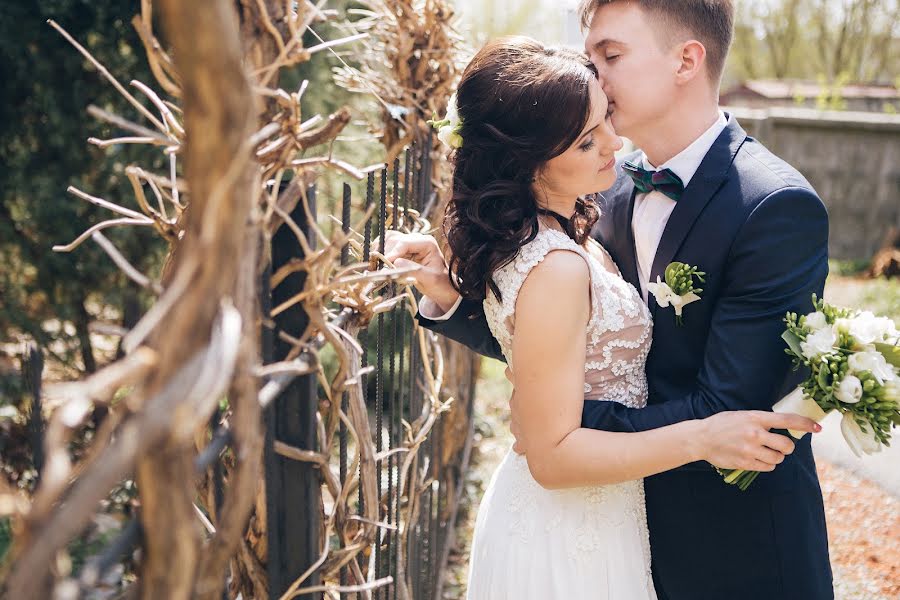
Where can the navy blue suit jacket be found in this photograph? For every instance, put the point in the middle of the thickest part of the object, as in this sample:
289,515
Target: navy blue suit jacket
760,232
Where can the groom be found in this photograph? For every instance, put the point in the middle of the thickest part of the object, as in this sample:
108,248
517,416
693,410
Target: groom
760,232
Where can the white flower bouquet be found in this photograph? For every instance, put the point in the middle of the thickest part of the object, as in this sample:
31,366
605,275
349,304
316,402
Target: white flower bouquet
853,359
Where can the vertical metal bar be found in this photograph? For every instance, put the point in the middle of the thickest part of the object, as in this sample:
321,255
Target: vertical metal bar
420,177
345,396
400,335
436,515
292,487
394,386
429,562
406,166
364,335
427,197
379,382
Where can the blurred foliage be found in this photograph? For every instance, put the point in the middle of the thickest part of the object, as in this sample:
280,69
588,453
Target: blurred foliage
847,267
52,297
846,287
48,296
858,41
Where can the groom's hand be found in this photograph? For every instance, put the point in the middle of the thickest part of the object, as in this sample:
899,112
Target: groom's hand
743,440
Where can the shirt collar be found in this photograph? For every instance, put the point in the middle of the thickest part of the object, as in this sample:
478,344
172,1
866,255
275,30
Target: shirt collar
685,163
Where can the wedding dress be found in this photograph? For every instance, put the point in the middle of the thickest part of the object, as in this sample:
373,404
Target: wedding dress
582,543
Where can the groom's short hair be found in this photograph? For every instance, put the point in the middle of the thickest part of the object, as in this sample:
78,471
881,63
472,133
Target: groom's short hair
711,22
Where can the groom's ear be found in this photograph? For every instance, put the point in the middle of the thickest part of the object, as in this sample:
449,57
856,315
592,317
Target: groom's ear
692,61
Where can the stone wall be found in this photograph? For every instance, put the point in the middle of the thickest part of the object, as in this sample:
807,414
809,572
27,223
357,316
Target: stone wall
851,158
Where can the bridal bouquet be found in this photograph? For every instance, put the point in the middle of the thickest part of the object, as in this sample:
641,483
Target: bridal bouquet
853,359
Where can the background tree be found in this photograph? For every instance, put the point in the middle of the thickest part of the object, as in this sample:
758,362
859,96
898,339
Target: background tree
858,41
49,296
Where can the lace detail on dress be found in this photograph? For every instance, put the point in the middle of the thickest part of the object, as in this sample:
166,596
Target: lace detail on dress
619,329
510,277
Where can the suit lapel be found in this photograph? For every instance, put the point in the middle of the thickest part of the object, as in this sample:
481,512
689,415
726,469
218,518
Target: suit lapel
703,186
629,268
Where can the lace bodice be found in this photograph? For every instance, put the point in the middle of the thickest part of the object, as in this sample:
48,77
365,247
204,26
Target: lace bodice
619,330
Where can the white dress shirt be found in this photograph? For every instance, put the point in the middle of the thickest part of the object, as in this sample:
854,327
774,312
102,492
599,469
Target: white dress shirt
651,212
653,209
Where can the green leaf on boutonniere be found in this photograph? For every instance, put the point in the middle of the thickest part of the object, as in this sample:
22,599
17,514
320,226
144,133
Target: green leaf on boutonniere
793,342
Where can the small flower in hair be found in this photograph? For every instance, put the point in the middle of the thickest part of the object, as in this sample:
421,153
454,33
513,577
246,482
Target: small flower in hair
448,128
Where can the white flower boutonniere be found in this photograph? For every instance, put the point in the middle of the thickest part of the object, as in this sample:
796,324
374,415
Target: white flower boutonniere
678,288
449,127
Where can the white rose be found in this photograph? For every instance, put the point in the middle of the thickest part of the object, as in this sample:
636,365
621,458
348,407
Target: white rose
874,363
818,342
850,390
841,326
860,442
815,321
891,335
452,112
866,328
449,137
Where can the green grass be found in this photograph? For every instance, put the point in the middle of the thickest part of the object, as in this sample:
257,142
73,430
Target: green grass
881,296
847,267
5,538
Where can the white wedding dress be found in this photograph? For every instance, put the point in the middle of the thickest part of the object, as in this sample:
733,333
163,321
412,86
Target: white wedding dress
582,543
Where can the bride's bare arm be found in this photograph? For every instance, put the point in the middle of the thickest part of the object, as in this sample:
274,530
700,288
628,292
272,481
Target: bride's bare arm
548,357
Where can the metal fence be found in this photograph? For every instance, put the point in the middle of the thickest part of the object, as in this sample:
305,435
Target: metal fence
394,394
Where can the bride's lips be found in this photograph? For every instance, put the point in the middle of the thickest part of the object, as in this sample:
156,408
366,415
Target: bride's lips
608,165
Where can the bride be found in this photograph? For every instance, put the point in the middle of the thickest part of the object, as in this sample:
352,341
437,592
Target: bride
565,518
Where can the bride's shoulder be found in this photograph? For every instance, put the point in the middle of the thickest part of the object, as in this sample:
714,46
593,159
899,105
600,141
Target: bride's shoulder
533,252
561,276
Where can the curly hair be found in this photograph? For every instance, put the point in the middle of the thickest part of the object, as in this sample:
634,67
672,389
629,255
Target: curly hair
521,104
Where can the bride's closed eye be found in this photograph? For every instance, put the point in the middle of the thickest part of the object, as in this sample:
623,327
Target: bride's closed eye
612,57
587,145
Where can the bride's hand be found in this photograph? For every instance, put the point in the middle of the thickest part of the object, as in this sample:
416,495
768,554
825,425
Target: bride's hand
742,440
432,279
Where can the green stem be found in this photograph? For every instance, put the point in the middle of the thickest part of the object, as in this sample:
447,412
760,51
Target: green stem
733,476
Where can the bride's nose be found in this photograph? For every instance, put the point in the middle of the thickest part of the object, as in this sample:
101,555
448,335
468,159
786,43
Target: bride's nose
612,144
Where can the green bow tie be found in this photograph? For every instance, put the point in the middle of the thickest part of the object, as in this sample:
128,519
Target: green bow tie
664,181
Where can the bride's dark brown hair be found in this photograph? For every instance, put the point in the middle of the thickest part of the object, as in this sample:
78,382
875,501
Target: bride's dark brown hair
521,104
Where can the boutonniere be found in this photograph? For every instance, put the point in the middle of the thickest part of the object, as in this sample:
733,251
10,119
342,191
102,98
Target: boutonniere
678,288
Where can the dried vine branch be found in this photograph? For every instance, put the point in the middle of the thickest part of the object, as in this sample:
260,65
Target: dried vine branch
228,131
